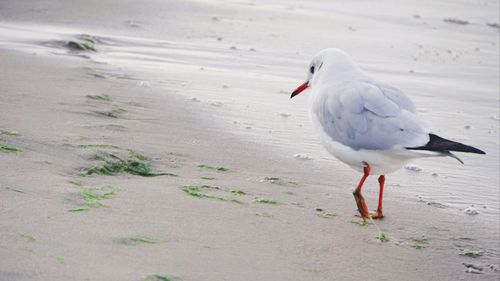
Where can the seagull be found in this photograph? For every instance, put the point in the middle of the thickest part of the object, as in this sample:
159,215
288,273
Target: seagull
370,126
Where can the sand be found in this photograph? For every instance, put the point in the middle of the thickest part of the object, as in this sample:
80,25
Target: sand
165,82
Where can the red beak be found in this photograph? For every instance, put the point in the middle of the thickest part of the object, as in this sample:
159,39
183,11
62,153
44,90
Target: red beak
300,89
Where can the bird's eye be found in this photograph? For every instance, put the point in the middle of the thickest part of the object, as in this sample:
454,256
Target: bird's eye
312,69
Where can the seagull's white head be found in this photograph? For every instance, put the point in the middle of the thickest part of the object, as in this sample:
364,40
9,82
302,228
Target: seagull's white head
330,63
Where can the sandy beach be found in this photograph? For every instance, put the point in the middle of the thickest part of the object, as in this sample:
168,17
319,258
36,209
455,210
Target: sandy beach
169,149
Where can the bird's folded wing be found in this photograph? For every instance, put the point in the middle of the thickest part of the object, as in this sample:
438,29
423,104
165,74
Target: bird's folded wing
364,115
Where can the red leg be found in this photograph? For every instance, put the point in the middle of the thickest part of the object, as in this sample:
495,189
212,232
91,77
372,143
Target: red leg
379,214
360,200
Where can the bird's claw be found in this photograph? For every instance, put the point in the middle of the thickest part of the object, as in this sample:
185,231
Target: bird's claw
366,215
377,215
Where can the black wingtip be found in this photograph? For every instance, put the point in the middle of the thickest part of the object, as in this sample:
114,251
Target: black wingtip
439,144
479,151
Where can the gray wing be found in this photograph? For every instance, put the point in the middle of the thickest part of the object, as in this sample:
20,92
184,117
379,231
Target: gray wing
398,97
364,115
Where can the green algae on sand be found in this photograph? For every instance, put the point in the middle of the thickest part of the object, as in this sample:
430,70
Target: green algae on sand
92,197
202,191
9,148
15,189
209,167
99,97
472,253
84,43
383,237
135,164
267,201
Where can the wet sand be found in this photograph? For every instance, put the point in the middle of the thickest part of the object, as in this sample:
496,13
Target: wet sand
189,99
